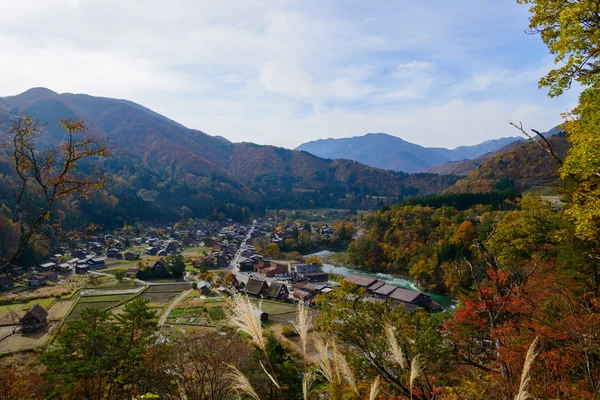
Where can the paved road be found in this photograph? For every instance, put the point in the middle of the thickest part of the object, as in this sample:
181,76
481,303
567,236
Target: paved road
173,304
233,265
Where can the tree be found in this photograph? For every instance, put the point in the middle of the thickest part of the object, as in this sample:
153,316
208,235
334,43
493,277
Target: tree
120,275
570,30
271,251
199,364
314,260
176,263
43,177
101,355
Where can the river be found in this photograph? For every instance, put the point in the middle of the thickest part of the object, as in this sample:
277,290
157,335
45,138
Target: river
447,302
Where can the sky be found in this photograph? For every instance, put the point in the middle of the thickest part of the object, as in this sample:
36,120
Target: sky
437,73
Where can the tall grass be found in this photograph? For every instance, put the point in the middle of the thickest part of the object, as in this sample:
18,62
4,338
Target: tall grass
303,324
525,374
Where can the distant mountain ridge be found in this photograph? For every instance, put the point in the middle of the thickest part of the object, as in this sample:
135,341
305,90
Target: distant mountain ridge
385,151
207,174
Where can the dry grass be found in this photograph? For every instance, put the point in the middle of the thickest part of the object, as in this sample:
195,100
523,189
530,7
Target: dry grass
244,314
395,347
240,383
307,381
525,374
416,369
303,324
374,392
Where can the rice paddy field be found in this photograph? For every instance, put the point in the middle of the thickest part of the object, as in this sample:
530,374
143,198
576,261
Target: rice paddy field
10,342
60,310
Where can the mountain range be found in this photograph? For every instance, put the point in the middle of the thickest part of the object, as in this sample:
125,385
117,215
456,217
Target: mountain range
385,151
160,166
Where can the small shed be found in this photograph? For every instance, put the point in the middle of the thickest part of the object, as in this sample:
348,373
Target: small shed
264,316
132,272
34,320
204,286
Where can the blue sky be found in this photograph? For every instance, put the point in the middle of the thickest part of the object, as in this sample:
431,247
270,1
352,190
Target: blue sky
436,73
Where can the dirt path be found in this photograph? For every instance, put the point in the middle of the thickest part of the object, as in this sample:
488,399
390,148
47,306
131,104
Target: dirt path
173,304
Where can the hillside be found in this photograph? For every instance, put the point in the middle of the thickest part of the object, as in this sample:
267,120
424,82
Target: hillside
464,167
524,167
159,166
385,151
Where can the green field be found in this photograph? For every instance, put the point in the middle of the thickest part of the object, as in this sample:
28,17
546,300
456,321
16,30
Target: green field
76,313
18,307
195,251
216,313
108,298
274,307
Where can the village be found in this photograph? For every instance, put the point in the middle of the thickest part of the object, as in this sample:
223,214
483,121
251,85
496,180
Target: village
187,277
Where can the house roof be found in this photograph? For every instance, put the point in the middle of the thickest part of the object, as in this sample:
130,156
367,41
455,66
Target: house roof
132,271
407,296
376,285
255,286
275,288
385,290
161,262
37,312
360,280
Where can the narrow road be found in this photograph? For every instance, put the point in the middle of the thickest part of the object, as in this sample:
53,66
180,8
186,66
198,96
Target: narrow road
173,304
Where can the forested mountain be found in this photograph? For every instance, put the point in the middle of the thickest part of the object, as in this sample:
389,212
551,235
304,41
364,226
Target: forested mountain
464,167
160,166
524,167
390,152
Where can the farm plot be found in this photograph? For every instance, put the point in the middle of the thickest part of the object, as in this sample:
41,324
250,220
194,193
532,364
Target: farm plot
160,297
59,310
216,314
179,287
98,302
194,316
106,292
10,342
101,299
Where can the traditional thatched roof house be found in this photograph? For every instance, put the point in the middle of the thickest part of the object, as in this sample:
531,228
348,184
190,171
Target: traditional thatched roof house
256,287
160,266
278,291
35,319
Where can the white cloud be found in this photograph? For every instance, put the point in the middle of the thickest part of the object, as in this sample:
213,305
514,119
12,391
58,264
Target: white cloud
282,72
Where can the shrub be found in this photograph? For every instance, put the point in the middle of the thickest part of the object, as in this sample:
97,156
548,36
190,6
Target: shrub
288,331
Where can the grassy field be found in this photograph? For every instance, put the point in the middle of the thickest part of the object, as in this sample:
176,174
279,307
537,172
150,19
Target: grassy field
113,265
76,313
22,307
275,308
196,251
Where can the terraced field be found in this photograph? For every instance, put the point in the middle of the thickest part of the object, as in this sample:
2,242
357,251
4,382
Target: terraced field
59,310
160,297
179,287
10,342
